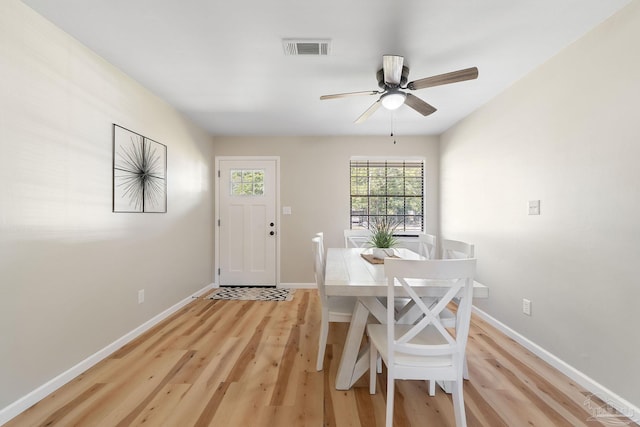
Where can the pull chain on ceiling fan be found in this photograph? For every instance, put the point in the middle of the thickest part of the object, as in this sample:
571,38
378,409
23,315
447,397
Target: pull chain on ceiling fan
392,79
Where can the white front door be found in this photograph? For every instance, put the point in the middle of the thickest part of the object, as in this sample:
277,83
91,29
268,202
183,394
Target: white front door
247,227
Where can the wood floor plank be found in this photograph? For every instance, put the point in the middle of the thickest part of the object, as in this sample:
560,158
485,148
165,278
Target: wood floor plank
252,363
292,345
212,406
151,394
134,387
74,404
309,407
161,406
479,411
263,372
203,398
537,389
248,353
232,407
417,405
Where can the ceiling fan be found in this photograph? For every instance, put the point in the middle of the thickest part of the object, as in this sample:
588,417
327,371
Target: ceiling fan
392,79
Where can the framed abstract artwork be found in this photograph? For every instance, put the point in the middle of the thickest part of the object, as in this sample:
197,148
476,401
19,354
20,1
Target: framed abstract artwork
139,173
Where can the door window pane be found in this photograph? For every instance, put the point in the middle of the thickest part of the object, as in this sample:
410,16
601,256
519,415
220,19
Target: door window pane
247,182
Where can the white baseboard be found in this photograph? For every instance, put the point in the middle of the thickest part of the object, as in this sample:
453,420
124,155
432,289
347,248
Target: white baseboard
609,397
49,387
298,286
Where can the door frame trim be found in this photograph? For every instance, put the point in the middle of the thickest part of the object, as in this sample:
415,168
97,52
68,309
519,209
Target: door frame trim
216,211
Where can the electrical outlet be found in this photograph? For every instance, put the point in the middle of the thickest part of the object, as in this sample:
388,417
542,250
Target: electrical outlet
526,306
140,296
534,207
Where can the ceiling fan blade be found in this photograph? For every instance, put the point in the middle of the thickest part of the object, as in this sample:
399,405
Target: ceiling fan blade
392,67
444,79
419,105
344,95
364,116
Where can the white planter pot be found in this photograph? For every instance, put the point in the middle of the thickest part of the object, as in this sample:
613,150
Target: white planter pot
382,253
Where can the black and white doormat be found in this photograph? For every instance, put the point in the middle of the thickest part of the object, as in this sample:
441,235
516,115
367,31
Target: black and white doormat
253,294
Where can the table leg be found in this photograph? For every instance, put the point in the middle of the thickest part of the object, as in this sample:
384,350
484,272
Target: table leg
354,362
351,350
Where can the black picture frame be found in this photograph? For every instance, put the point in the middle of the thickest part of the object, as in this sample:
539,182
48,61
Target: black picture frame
139,173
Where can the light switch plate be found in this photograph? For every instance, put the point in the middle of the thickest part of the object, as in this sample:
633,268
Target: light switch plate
286,210
534,207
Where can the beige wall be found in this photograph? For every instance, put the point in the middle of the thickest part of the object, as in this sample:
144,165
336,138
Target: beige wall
70,269
569,135
314,174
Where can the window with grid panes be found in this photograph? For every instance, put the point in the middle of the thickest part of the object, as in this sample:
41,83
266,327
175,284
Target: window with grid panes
392,189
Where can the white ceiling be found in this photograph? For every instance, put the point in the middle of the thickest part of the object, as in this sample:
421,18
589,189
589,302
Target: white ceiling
222,64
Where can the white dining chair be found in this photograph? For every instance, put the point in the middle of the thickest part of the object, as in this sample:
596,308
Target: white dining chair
358,238
427,245
426,350
334,308
320,235
454,249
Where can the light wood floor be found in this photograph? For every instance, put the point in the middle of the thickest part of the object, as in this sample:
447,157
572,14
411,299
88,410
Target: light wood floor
247,363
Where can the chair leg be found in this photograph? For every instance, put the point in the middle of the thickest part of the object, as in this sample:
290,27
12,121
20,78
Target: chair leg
458,403
465,369
390,392
373,360
322,343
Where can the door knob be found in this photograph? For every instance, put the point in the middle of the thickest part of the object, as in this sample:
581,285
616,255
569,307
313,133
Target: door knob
272,224
271,233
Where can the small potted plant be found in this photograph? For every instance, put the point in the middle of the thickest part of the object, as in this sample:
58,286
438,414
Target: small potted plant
382,239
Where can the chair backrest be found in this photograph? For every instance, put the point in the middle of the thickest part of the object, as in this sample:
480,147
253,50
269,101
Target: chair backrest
455,276
320,235
356,238
454,249
427,245
319,267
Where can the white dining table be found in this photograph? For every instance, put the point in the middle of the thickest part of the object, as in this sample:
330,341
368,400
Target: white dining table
348,273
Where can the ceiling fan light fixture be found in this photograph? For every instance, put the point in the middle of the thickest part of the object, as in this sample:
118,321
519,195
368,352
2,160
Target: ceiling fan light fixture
392,80
393,100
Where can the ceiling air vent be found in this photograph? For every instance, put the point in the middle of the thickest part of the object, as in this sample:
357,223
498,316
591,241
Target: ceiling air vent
297,47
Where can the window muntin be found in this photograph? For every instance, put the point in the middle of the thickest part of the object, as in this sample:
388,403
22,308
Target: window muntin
246,182
388,189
